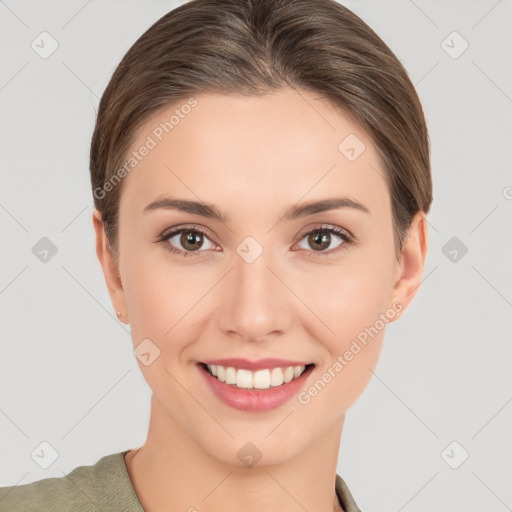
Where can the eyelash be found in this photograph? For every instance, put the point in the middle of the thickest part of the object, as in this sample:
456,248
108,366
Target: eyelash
346,238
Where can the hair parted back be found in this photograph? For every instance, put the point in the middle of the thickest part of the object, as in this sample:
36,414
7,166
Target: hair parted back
254,47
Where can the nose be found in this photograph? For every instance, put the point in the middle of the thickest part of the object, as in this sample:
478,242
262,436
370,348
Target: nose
254,303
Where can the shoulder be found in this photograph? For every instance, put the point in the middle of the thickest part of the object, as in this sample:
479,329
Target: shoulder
345,496
100,487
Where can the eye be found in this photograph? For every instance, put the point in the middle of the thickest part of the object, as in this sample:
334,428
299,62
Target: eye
186,241
321,238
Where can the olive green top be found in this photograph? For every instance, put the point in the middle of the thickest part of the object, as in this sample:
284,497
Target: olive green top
103,487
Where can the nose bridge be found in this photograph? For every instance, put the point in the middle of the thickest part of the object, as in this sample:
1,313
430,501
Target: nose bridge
254,305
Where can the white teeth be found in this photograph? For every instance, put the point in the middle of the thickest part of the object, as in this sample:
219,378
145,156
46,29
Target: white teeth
244,379
230,375
288,374
260,379
276,377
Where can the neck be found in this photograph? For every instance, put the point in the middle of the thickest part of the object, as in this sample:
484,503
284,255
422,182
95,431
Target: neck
172,468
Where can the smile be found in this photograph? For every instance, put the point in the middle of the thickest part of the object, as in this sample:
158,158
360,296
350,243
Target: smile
260,379
257,390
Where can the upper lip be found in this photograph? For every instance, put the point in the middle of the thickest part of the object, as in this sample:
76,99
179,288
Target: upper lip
260,364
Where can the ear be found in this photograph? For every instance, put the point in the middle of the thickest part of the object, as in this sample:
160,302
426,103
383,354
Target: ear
110,267
409,271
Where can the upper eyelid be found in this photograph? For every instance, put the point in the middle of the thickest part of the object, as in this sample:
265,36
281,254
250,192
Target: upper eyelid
327,227
178,229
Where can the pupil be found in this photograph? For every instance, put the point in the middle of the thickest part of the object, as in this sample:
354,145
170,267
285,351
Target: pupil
189,240
320,238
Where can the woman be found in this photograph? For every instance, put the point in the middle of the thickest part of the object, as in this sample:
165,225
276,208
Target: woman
261,179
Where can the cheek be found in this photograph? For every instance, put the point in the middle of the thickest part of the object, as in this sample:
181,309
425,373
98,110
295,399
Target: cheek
344,298
170,303
351,313
157,300
146,300
339,383
161,309
350,307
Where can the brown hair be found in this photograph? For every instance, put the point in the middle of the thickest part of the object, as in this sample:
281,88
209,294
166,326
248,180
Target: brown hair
254,47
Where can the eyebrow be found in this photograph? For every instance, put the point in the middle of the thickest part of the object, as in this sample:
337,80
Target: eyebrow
296,211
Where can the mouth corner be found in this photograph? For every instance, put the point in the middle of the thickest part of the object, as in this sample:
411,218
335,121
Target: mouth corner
203,366
308,367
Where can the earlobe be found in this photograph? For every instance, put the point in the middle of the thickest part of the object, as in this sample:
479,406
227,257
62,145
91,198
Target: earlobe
109,266
414,252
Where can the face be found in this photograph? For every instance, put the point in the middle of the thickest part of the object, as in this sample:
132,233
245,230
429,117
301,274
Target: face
265,278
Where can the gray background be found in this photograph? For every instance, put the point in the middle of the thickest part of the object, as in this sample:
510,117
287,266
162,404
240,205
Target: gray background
68,376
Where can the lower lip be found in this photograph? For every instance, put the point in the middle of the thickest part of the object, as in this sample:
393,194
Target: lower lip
256,400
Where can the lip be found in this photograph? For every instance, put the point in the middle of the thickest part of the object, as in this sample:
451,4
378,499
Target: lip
254,400
260,364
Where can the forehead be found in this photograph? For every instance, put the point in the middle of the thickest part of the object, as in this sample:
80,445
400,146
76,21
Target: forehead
281,147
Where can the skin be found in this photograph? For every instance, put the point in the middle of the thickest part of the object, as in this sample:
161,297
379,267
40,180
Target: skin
253,157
